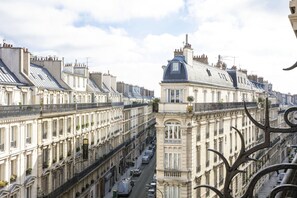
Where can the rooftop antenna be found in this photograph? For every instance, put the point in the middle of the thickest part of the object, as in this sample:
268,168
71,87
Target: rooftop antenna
87,61
186,39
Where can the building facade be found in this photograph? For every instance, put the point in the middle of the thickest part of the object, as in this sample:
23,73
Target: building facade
199,106
63,130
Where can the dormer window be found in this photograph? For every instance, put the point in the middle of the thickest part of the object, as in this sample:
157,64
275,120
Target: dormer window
175,67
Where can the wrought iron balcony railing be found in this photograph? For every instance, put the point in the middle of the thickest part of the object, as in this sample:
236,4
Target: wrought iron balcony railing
21,110
198,107
246,154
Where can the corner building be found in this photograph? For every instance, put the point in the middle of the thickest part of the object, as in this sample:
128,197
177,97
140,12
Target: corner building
186,129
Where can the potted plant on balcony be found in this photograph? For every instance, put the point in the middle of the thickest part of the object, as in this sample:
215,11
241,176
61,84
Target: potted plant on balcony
3,183
92,123
77,149
68,153
190,99
13,178
87,125
77,127
44,165
28,171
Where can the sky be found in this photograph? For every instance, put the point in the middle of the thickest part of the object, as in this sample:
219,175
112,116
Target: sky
132,39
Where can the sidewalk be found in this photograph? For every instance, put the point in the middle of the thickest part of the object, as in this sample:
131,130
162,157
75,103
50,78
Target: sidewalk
125,175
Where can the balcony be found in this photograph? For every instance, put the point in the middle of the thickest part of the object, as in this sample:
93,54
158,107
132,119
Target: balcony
171,141
23,110
84,173
203,107
172,173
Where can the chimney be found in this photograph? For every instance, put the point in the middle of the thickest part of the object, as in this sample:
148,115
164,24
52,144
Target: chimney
260,79
188,52
178,52
203,58
97,78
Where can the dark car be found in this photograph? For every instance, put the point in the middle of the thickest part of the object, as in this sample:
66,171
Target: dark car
135,172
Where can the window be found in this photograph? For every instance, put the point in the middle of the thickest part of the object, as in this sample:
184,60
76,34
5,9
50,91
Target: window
54,128
3,70
61,127
13,167
208,72
33,75
40,77
49,78
69,125
29,162
44,130
172,161
2,172
13,136
172,132
175,96
54,153
198,159
171,192
175,67
61,150
204,95
29,133
2,139
29,192
45,157
207,153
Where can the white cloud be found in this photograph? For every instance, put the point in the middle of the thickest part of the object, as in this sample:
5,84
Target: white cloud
119,10
261,40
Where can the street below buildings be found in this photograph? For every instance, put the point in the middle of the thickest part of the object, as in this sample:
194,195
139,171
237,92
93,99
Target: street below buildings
148,170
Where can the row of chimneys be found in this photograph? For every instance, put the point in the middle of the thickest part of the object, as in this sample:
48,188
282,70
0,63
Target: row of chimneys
75,65
203,58
49,58
255,78
6,45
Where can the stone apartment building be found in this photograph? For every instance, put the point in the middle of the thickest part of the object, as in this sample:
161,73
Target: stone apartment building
198,107
52,116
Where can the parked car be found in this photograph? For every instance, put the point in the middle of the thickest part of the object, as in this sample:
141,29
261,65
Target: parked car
135,172
124,187
280,177
151,193
145,159
149,153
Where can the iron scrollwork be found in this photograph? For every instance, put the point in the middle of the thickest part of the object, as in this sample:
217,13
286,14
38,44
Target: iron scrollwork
244,156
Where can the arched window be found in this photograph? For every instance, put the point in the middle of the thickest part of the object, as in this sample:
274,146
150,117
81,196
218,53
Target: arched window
172,132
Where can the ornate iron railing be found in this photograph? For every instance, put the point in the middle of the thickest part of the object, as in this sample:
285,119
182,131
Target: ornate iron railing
245,153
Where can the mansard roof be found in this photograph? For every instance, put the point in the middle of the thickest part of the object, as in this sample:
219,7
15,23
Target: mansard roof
178,70
41,77
6,76
240,79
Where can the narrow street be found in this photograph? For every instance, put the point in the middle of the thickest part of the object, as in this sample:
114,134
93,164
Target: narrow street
148,170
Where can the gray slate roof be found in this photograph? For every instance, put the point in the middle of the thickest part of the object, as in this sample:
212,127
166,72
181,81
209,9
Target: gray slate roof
41,77
196,73
6,76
